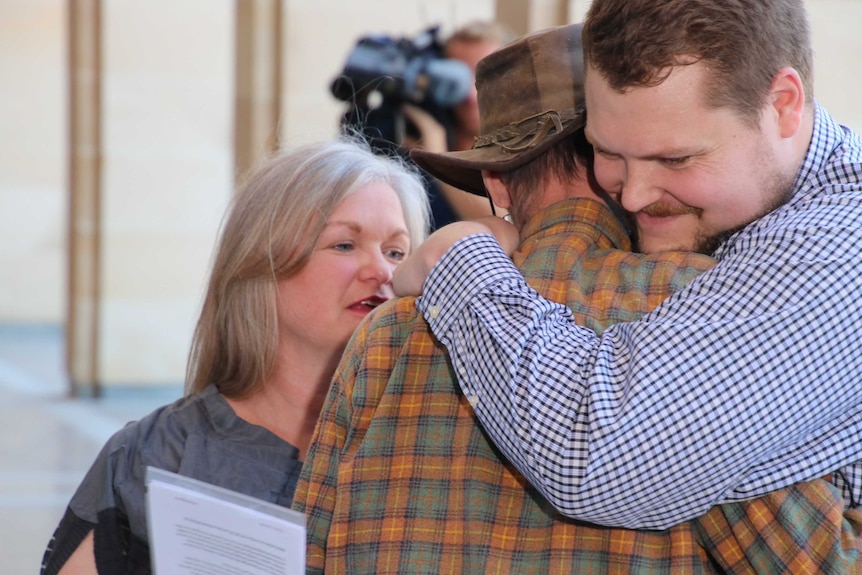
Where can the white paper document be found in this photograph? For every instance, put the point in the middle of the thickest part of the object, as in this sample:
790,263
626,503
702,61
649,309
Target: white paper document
199,529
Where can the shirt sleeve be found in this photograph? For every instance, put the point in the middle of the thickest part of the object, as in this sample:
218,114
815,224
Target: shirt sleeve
704,400
316,492
99,504
801,529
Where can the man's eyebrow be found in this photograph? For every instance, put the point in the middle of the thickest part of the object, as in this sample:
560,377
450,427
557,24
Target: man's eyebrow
652,156
591,139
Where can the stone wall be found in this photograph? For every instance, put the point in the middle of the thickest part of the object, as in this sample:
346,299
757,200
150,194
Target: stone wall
166,154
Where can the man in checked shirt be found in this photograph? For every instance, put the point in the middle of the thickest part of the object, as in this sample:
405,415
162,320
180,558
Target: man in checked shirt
400,477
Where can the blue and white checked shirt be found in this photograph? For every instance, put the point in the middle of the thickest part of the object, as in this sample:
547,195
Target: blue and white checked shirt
747,381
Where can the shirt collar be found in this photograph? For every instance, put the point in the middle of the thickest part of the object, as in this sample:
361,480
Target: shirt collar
825,138
587,215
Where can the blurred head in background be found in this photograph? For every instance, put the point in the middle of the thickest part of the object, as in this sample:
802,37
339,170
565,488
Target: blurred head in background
469,44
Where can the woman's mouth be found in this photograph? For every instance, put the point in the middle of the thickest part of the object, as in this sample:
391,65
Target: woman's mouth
368,304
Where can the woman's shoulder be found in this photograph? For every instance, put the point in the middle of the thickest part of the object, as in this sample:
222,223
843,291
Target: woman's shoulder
165,429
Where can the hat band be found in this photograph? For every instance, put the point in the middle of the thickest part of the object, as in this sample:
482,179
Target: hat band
526,133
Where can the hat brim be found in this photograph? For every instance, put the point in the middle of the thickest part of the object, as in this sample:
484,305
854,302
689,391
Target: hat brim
463,169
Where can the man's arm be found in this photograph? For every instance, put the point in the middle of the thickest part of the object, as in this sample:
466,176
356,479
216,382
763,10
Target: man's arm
316,491
705,400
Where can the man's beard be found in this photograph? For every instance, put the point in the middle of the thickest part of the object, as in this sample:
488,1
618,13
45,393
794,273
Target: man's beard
706,243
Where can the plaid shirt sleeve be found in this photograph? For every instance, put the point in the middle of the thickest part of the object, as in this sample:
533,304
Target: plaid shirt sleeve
318,483
802,529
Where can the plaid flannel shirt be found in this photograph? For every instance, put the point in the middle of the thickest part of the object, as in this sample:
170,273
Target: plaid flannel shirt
401,478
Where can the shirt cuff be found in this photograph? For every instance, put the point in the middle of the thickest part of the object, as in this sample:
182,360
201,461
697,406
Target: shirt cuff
468,267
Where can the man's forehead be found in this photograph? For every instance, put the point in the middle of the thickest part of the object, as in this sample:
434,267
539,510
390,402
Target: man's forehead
649,111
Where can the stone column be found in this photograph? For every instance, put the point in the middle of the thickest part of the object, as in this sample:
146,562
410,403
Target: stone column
257,81
523,16
85,188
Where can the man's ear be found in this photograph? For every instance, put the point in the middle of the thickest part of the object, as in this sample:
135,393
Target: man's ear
497,189
788,101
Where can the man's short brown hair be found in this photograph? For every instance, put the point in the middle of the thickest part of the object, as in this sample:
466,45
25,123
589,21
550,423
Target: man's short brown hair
744,42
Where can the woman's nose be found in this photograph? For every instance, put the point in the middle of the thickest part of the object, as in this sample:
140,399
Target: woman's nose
377,267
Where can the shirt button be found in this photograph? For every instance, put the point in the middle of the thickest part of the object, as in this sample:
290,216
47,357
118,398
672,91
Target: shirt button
462,371
473,399
434,311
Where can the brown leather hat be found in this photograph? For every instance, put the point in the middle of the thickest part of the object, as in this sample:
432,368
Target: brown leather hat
531,95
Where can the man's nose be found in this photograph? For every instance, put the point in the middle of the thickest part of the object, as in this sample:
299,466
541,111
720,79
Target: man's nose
639,188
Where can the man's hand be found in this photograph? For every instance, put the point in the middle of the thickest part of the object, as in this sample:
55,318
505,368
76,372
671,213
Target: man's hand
409,277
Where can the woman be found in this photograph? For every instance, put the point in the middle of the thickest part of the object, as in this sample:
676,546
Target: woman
307,250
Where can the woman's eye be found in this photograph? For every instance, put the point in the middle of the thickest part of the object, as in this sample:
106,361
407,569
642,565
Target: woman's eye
343,246
396,255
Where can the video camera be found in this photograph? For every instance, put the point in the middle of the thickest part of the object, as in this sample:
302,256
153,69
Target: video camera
382,73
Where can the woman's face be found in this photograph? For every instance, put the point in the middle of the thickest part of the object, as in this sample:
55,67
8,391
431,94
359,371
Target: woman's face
349,273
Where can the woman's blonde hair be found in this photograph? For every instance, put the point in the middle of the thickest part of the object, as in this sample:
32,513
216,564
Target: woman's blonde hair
269,233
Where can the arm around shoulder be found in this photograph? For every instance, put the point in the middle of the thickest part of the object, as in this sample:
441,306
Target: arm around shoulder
409,277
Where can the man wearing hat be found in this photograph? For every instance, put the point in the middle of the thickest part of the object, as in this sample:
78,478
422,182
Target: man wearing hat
400,477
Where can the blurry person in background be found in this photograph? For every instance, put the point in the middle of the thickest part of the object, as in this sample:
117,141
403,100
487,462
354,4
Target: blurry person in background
469,44
307,251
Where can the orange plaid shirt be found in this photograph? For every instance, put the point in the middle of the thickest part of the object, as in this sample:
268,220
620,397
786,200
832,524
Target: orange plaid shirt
400,477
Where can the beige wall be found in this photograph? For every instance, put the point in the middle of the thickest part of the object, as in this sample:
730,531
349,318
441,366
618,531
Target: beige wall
167,135
167,169
32,161
319,35
837,63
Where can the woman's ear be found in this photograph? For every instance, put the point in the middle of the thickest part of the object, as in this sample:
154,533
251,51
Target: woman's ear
496,189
